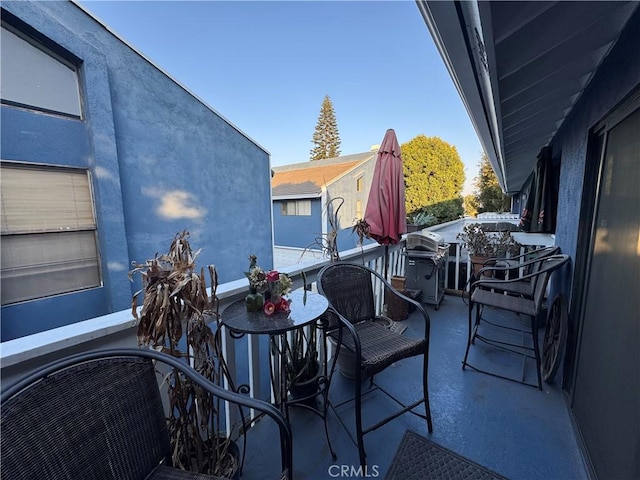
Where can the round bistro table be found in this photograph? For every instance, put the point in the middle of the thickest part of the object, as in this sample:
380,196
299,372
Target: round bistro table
306,308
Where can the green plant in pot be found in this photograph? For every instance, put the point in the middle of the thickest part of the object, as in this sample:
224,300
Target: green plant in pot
176,309
302,364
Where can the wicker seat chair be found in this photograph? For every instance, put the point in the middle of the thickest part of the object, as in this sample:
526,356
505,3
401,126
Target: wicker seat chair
100,415
356,327
496,293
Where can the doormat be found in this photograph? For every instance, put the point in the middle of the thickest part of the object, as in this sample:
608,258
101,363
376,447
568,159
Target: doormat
418,459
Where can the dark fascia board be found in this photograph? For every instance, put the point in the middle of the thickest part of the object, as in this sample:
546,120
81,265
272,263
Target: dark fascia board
447,22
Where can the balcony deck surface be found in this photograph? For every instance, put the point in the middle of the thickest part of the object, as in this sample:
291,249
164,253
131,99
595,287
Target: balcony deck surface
513,429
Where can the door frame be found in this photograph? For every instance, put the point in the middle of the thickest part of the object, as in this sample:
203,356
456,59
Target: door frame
587,226
596,148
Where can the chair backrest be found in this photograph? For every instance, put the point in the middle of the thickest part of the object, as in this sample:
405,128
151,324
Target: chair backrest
99,415
349,289
100,419
539,254
547,266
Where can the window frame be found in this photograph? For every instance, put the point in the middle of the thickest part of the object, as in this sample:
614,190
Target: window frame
56,53
49,266
296,207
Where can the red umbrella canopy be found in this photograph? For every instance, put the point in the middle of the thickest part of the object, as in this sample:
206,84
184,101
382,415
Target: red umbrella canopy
386,213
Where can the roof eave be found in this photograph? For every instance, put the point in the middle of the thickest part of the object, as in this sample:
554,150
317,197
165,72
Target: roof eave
297,197
451,25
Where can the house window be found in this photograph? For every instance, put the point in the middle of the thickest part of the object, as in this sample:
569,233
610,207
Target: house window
358,208
359,184
34,77
48,232
296,207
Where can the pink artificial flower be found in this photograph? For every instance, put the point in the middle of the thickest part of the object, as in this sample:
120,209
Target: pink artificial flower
269,308
273,276
284,305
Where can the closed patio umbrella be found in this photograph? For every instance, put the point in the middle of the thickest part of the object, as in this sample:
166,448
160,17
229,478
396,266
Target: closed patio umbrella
385,212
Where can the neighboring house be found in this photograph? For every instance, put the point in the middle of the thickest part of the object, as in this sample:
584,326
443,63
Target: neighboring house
300,193
104,159
566,75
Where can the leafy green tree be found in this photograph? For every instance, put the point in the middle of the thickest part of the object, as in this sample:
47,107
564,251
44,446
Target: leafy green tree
470,205
434,177
488,194
326,137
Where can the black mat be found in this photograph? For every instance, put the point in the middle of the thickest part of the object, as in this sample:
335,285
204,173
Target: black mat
419,459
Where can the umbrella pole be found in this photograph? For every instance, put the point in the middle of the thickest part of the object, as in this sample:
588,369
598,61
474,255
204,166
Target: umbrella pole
386,262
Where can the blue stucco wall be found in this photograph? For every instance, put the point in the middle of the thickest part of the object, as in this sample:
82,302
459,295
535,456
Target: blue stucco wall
617,77
301,231
160,160
345,187
297,230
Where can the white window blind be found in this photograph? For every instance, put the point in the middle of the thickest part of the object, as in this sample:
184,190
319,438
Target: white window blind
296,207
48,233
30,76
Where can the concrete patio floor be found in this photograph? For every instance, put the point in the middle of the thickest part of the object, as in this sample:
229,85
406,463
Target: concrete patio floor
513,429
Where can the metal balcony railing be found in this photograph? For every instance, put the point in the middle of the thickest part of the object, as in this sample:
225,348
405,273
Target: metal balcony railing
246,357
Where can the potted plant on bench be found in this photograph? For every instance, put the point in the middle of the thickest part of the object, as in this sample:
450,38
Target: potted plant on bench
483,245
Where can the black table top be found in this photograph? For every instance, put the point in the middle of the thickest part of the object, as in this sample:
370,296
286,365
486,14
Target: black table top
304,311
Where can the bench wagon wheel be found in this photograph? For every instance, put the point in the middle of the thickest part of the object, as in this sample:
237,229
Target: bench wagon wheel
555,337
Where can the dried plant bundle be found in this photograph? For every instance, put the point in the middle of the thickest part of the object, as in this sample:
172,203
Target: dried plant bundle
176,317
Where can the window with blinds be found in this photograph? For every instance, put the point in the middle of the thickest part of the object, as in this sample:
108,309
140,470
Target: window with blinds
34,77
48,232
296,207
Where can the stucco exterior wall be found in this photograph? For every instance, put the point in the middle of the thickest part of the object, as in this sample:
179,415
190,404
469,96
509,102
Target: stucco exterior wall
617,77
345,187
297,230
301,231
160,160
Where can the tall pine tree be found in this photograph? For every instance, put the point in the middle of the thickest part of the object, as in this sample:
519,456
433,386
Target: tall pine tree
488,194
326,137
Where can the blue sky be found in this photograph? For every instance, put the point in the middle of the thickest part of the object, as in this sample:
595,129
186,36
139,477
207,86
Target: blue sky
266,67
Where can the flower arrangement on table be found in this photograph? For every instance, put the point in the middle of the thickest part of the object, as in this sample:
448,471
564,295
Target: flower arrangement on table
267,289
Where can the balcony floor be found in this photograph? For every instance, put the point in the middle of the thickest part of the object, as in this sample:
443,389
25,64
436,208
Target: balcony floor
515,430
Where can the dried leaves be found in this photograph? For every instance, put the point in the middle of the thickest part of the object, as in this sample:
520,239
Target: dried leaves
176,305
173,292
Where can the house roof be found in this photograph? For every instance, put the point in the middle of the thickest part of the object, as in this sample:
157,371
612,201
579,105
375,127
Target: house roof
306,179
520,67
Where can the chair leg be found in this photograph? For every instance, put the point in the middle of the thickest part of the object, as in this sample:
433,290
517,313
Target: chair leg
536,348
425,389
359,434
466,353
476,324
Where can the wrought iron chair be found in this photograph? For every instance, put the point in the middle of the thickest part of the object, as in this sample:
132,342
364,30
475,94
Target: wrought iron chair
520,265
498,294
373,347
99,415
